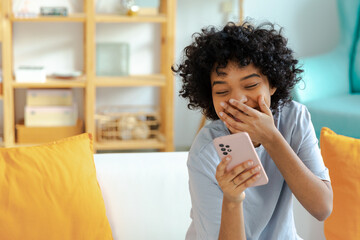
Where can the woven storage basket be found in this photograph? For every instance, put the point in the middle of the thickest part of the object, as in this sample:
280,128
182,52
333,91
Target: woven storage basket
116,123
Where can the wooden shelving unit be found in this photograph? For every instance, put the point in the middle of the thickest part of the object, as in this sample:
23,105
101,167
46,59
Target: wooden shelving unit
1,21
52,83
108,18
132,81
77,17
89,82
2,143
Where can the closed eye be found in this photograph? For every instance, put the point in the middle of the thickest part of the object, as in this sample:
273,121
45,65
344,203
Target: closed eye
221,92
252,86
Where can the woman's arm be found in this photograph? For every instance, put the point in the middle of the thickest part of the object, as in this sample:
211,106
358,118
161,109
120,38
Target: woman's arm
313,193
233,185
232,221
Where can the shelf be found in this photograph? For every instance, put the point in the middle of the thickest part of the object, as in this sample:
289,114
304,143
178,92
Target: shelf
114,145
81,17
53,83
163,17
130,145
108,18
1,29
75,17
131,81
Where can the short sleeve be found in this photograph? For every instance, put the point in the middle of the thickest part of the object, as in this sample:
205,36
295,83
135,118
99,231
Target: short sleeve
305,144
206,197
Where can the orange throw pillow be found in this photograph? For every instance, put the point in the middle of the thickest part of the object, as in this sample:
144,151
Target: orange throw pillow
342,156
51,192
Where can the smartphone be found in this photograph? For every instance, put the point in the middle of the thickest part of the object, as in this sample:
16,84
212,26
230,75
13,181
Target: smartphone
241,149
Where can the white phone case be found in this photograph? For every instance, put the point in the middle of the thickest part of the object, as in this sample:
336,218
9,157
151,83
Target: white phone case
241,149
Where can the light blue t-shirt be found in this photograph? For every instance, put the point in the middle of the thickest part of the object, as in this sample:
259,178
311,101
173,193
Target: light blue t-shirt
268,209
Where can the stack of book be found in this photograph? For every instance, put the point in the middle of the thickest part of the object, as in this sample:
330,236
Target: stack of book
50,108
50,114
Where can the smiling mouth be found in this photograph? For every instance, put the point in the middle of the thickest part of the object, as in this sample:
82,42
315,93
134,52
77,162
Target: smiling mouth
238,120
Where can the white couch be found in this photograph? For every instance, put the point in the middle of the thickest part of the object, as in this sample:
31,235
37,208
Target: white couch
146,197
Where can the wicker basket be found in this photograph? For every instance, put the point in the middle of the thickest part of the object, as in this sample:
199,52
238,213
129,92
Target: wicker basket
116,123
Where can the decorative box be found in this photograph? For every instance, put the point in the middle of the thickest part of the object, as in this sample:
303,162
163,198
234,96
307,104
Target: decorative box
49,97
31,135
30,74
54,116
112,59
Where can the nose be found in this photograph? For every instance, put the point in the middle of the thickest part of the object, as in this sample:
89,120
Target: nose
239,96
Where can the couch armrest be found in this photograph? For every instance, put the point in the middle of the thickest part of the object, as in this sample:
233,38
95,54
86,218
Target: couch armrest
307,226
324,76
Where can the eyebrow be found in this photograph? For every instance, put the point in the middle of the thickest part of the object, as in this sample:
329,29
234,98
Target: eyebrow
242,79
218,82
250,76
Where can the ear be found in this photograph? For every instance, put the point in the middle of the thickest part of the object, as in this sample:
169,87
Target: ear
272,90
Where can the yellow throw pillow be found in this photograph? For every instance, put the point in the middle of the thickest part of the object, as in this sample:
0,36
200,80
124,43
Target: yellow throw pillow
50,192
342,156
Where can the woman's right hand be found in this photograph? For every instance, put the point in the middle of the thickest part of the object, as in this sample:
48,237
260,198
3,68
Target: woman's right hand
234,182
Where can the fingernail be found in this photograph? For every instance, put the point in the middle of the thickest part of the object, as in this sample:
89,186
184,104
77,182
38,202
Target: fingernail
257,168
222,104
227,159
257,175
250,163
221,114
232,101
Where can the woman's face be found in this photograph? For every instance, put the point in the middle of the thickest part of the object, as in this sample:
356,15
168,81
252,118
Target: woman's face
245,84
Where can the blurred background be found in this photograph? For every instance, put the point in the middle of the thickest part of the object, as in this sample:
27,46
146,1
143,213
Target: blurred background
311,27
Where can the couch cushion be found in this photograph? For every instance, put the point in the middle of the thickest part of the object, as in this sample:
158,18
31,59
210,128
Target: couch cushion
340,113
51,192
342,156
320,70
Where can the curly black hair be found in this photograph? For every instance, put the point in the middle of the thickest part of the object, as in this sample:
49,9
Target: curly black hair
262,46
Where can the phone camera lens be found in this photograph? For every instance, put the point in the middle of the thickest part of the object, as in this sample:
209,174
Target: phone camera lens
229,150
227,146
221,145
223,149
225,153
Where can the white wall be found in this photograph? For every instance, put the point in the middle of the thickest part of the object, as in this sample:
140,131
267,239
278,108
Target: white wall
191,17
310,25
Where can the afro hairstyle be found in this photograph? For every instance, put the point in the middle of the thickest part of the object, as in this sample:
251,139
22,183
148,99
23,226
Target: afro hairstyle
263,46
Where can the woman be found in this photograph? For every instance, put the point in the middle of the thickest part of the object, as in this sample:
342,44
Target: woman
241,78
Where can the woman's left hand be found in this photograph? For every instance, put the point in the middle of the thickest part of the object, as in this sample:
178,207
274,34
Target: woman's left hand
258,124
